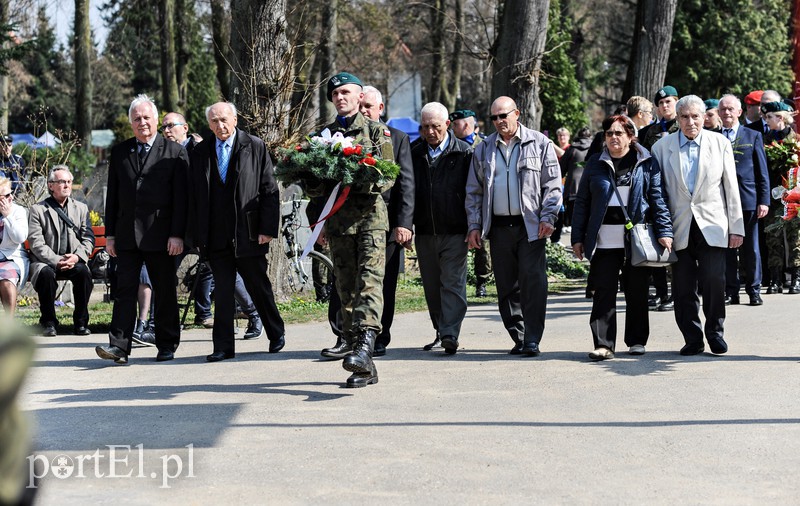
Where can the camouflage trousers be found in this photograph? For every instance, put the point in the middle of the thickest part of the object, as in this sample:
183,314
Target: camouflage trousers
784,245
359,262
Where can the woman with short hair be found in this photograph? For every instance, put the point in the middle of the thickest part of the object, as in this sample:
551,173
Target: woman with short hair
598,232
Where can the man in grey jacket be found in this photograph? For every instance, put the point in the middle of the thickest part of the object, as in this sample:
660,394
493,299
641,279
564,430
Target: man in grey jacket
513,198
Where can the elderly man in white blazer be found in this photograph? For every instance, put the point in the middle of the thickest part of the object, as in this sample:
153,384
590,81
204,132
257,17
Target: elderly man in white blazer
699,179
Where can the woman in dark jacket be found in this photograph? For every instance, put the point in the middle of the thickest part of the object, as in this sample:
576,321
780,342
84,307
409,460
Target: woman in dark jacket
572,169
598,232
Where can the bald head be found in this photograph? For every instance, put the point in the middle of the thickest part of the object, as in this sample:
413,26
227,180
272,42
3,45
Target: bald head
505,116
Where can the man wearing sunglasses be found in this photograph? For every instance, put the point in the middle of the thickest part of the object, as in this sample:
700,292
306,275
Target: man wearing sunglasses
61,240
513,198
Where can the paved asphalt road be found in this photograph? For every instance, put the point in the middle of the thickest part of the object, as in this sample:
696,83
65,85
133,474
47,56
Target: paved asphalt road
475,428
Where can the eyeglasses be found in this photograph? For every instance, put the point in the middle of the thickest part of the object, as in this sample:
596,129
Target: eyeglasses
169,126
62,181
615,133
648,111
495,117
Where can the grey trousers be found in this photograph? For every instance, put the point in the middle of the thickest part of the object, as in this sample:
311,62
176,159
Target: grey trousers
443,265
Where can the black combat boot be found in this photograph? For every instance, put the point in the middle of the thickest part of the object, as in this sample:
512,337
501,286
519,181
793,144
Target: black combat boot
360,360
340,350
776,285
795,287
362,379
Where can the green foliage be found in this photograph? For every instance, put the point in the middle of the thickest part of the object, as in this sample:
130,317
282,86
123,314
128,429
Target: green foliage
562,104
51,81
562,263
730,46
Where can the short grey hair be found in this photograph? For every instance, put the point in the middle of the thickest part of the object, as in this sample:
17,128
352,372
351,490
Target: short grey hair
435,109
230,106
770,96
562,130
52,175
374,91
689,101
139,100
731,96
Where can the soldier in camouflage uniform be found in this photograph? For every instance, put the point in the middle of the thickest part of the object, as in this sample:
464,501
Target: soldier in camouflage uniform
16,350
783,244
357,236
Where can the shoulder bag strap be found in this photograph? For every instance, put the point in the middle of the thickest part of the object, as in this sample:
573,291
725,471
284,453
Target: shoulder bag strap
61,214
628,223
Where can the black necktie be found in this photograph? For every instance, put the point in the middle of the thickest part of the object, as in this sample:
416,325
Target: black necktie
144,148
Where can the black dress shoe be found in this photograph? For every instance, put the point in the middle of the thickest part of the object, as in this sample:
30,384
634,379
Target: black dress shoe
756,300
220,355
49,331
277,345
112,352
437,343
339,350
530,350
164,355
82,331
666,305
692,349
731,300
717,345
653,301
380,350
450,344
516,350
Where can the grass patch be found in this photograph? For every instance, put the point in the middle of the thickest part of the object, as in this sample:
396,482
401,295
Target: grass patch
410,298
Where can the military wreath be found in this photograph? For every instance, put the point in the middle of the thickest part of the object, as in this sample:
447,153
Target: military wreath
784,157
333,158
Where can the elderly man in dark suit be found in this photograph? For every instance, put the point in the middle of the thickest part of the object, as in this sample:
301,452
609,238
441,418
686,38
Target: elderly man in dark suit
146,208
237,213
61,240
751,171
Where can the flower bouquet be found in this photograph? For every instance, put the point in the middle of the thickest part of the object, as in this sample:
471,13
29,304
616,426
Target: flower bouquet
334,159
784,157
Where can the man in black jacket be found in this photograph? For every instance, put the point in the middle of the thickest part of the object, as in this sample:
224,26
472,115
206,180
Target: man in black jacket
237,212
146,206
441,165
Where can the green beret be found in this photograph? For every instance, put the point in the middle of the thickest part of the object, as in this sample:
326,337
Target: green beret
775,107
461,114
341,79
711,103
666,91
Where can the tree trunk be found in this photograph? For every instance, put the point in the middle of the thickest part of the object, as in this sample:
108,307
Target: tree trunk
262,81
438,40
221,33
182,50
83,74
652,37
327,55
4,75
169,83
518,56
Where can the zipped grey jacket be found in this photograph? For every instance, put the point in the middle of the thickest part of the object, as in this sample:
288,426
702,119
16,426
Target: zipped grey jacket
539,183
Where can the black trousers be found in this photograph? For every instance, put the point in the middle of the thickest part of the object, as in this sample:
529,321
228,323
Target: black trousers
749,255
394,257
81,279
520,271
161,268
224,266
699,266
605,267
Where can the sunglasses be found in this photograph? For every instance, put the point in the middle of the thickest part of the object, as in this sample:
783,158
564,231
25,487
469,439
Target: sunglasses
62,181
6,195
170,126
615,133
495,117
